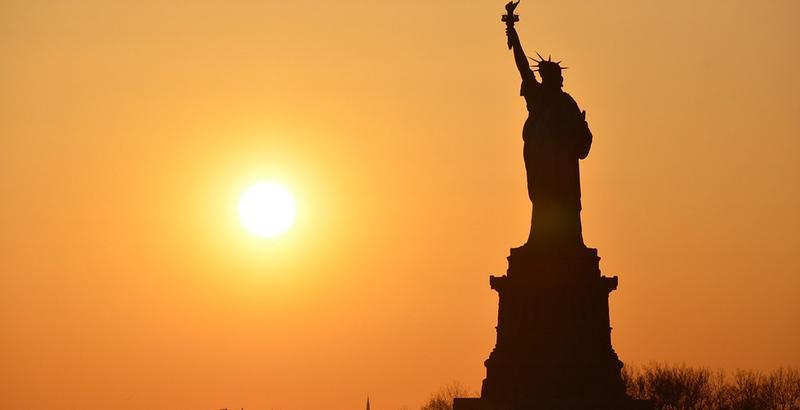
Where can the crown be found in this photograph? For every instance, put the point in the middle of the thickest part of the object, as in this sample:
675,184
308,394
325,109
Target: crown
541,63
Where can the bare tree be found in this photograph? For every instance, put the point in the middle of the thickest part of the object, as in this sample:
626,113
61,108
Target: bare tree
681,387
443,399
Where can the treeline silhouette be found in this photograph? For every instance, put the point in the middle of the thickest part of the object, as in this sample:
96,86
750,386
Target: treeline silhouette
679,387
682,387
443,399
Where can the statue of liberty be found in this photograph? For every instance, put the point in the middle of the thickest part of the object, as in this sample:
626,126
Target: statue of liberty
556,136
553,348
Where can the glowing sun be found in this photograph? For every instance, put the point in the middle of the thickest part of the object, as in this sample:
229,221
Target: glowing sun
267,209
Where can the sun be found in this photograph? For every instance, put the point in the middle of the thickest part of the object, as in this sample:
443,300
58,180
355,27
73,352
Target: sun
267,209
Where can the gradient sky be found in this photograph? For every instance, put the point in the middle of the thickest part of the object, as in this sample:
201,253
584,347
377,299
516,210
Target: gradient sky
128,130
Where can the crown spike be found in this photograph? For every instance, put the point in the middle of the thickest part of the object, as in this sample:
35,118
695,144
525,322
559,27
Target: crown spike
540,56
548,57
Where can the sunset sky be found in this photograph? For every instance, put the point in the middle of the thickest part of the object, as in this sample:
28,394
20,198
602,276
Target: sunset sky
129,130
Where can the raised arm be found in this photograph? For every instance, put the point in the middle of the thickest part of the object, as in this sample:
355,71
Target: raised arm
513,43
519,54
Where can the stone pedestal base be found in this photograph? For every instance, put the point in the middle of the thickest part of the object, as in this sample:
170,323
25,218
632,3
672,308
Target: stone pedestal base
553,347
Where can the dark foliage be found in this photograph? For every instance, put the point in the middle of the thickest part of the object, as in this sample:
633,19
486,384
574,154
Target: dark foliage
443,399
681,387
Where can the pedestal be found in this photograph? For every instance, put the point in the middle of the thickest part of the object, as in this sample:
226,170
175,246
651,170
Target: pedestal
553,347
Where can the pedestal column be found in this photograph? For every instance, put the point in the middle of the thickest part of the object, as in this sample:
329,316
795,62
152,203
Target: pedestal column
553,348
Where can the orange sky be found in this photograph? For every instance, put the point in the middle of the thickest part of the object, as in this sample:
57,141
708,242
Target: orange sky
129,129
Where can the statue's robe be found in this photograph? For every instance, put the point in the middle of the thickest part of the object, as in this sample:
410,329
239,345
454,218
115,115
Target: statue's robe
556,137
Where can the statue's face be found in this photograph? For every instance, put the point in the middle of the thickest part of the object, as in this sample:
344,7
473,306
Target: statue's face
552,78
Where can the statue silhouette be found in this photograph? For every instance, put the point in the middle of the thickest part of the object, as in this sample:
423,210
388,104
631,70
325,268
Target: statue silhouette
553,348
556,136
